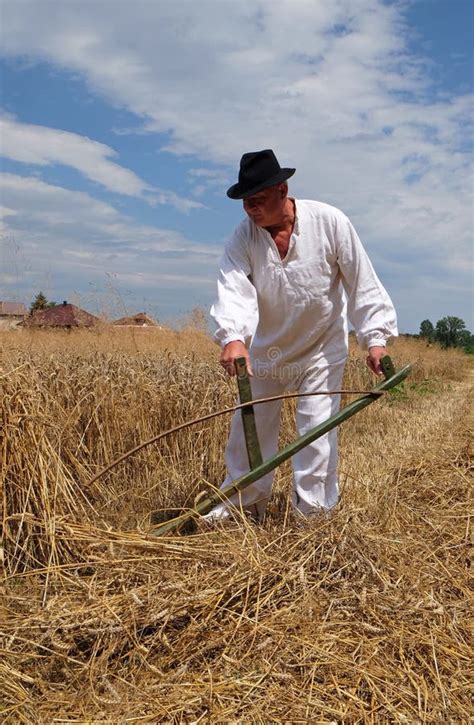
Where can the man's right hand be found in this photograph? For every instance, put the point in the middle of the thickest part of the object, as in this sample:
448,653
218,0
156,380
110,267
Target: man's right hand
230,353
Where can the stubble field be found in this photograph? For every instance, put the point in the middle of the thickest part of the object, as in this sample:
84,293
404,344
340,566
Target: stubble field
362,616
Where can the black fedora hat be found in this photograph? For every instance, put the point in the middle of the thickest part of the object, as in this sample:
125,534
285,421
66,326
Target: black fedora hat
258,170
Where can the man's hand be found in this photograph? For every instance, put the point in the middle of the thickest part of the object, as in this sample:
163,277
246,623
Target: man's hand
374,357
232,351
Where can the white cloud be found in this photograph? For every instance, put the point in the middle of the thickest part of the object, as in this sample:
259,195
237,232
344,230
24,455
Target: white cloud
42,146
74,240
209,181
330,86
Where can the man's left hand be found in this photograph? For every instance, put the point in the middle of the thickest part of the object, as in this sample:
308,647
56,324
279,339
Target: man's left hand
374,357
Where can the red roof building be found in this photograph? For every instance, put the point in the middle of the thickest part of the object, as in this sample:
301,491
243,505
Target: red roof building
141,319
65,316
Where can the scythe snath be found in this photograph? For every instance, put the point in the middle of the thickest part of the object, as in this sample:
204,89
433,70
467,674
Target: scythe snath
258,467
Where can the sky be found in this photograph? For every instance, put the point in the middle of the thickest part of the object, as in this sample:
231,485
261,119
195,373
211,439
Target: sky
122,125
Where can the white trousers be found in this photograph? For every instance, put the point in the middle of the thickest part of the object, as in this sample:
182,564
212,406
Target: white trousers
315,484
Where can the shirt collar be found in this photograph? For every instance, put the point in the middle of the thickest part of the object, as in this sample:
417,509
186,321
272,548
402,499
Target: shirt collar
296,225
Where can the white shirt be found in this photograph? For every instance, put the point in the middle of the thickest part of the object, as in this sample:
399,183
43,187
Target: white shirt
298,305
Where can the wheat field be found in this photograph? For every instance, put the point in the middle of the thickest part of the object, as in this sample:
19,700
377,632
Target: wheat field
360,616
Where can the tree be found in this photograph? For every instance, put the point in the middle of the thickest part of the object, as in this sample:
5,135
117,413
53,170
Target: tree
40,303
469,343
451,332
427,330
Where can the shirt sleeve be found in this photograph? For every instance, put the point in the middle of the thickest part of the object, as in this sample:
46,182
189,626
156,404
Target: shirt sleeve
235,310
369,308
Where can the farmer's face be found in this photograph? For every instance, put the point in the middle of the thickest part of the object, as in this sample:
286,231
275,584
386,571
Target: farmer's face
267,207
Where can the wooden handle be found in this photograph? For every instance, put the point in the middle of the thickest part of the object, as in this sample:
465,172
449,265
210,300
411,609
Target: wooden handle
387,366
248,416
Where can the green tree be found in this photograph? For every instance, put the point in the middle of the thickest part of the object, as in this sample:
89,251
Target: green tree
469,343
451,332
40,303
427,330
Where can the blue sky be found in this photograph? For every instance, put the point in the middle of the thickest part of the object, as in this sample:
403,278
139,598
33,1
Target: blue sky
122,125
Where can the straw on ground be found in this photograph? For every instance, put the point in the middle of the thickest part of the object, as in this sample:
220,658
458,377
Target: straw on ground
360,617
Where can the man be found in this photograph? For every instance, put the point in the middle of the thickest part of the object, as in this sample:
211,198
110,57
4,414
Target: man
281,305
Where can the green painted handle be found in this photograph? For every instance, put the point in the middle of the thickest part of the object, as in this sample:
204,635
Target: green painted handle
248,415
387,366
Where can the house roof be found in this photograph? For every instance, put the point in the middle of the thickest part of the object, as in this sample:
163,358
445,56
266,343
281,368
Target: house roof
65,315
140,319
13,308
